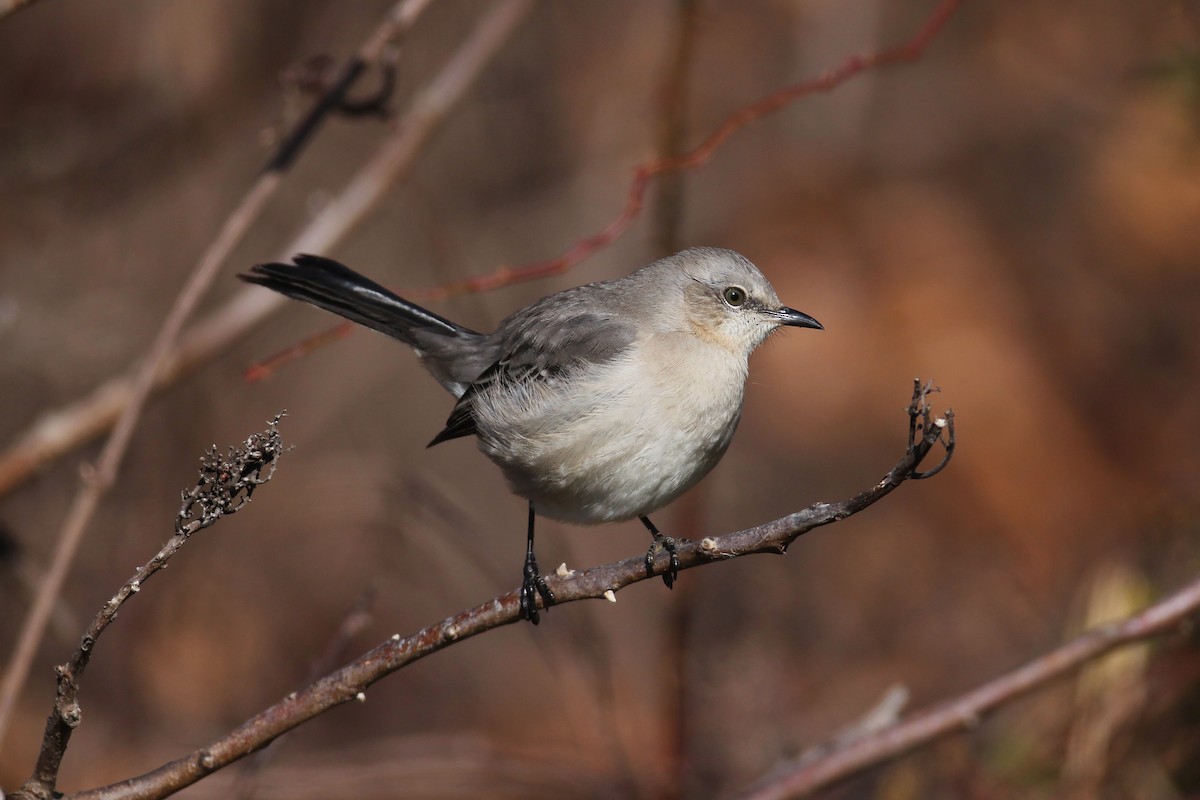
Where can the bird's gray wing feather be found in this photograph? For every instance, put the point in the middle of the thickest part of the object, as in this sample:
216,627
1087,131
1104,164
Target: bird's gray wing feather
547,342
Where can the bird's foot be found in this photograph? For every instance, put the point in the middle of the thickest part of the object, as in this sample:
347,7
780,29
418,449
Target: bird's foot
532,585
670,545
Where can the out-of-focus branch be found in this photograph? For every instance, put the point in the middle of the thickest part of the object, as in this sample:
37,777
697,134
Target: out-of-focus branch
806,776
61,431
672,125
225,486
351,682
135,390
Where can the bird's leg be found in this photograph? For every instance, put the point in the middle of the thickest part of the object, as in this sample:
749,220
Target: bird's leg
661,542
533,584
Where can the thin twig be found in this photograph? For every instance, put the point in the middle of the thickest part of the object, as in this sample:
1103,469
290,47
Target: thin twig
61,431
966,712
150,373
351,682
225,486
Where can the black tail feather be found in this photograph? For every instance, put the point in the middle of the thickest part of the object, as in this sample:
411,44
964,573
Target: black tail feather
335,287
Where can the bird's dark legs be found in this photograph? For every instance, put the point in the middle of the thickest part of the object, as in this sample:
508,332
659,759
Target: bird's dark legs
661,543
532,583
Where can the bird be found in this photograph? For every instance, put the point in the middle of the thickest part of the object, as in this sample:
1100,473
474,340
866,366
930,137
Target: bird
601,403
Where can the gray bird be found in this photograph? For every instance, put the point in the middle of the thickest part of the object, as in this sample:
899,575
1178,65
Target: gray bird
600,403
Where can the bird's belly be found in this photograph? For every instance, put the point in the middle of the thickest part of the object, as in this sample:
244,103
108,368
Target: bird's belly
616,477
623,453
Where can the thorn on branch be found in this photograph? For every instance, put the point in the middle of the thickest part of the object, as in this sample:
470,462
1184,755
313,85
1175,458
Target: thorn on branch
227,482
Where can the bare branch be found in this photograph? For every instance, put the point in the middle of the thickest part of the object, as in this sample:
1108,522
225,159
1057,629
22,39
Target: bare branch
966,711
225,486
351,682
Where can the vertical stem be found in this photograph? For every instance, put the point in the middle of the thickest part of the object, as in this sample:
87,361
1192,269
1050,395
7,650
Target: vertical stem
672,127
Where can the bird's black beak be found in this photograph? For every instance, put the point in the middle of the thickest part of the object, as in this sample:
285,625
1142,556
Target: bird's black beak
797,319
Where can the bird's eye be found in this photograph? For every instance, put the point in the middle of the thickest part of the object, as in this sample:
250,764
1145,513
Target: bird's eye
734,295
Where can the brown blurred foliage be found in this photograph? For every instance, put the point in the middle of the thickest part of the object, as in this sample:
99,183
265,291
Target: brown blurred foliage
1016,215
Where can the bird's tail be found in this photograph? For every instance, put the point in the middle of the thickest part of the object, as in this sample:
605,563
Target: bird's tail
335,287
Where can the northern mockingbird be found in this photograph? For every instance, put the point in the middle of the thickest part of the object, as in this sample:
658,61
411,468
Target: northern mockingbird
600,403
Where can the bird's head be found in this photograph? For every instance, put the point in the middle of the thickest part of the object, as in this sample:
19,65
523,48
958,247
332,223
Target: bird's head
728,301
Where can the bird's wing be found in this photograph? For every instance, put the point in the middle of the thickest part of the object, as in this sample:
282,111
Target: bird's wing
542,343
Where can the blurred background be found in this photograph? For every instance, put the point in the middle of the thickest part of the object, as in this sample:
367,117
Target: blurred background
1016,215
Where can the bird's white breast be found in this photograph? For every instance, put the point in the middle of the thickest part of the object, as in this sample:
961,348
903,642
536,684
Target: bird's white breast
623,440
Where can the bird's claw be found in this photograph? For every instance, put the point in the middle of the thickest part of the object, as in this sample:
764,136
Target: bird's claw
671,546
532,585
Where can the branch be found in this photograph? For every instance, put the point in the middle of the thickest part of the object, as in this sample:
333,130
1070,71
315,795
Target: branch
798,779
672,124
136,390
351,682
60,431
225,486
